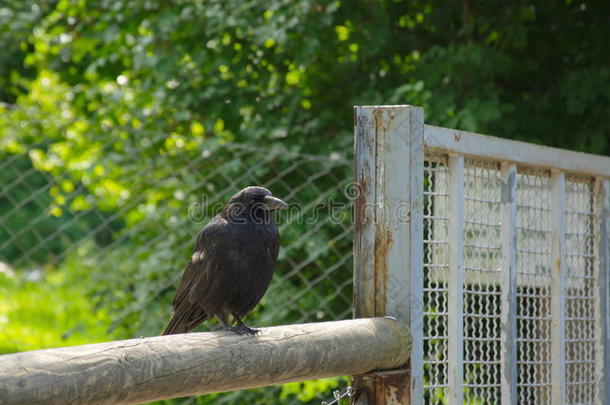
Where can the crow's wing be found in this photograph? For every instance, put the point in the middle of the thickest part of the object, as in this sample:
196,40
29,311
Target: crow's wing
188,312
198,273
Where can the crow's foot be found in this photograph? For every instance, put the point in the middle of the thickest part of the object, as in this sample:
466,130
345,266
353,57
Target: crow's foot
240,329
243,330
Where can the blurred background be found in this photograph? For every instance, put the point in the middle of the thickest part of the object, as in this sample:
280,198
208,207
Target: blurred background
124,125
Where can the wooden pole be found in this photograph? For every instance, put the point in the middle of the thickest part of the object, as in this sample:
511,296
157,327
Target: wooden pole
147,369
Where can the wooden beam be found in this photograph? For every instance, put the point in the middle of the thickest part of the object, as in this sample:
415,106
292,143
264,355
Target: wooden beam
148,369
388,240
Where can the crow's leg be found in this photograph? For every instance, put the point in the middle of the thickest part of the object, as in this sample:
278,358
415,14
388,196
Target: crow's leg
239,329
226,324
243,327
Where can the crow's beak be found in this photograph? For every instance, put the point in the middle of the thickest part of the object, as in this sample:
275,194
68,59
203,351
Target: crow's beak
272,203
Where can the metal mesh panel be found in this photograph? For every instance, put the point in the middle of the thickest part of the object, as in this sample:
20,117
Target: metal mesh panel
482,256
435,270
533,287
482,250
581,300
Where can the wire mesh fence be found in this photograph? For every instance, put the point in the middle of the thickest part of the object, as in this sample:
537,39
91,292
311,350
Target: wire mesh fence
133,238
436,267
534,286
581,291
132,233
482,254
482,359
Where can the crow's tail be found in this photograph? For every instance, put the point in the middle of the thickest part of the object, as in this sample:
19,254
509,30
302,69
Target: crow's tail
184,319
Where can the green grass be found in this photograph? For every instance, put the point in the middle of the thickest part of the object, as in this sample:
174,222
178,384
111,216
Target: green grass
51,312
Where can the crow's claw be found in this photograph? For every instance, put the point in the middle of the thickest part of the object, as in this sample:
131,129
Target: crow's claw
248,330
243,330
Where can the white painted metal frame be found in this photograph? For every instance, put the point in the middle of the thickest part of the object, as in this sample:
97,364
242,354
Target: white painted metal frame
602,211
521,153
391,142
558,289
508,285
455,297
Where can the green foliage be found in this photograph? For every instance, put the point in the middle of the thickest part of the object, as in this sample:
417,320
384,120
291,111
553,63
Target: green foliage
309,391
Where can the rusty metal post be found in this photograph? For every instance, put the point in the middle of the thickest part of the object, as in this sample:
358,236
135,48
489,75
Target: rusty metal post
388,241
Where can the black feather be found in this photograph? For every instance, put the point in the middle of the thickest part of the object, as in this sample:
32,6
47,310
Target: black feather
232,263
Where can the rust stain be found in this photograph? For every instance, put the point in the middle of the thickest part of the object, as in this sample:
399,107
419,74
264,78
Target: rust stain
378,113
383,242
362,389
379,251
360,204
388,239
394,387
381,271
384,387
359,242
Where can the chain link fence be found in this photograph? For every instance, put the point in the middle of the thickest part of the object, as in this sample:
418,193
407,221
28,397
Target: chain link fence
129,221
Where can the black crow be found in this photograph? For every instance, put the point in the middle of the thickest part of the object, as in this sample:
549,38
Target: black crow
232,264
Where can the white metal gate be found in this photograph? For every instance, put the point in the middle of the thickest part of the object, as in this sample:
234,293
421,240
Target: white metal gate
515,264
